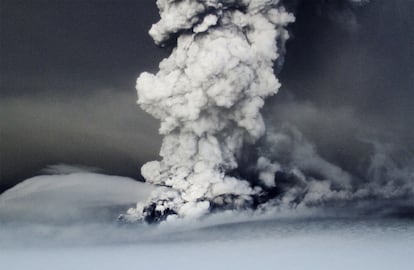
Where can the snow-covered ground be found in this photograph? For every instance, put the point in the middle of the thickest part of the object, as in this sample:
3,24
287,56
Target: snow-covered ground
70,198
68,222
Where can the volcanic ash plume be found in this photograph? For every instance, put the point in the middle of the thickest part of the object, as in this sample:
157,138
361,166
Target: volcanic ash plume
208,94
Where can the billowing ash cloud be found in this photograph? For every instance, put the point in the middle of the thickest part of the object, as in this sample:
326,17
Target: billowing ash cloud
302,177
208,95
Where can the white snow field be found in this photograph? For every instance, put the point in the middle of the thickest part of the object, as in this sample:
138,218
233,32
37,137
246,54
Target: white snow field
73,197
69,222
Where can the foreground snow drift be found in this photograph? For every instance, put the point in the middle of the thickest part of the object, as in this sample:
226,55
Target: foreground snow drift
288,244
68,222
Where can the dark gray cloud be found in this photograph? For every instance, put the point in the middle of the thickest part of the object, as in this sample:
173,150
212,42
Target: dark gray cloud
348,90
103,129
348,83
67,86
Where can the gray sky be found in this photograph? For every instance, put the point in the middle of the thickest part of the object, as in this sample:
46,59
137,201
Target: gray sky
68,71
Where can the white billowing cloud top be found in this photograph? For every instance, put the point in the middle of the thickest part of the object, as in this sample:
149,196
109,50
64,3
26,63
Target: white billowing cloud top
208,94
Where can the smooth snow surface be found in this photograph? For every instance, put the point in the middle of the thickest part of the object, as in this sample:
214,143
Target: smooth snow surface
321,244
70,198
36,232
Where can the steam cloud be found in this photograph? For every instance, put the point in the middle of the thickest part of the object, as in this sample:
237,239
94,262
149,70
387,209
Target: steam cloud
208,95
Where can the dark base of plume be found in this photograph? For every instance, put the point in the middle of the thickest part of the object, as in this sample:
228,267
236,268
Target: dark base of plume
230,201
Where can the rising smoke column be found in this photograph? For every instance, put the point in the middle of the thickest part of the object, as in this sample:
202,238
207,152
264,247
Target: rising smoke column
208,94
